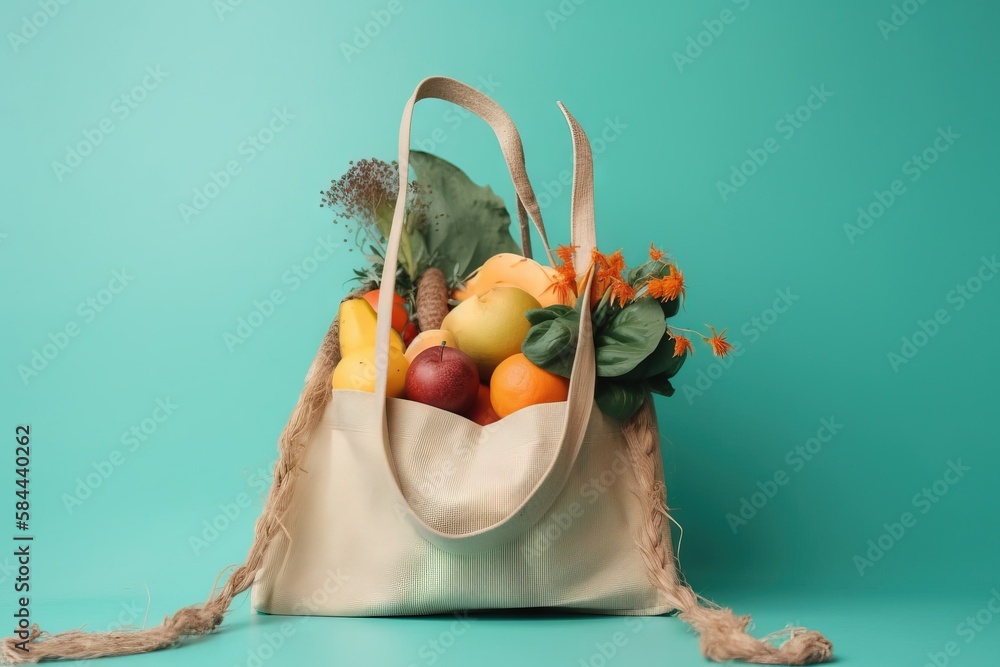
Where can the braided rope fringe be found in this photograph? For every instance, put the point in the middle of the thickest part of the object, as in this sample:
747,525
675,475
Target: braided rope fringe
723,634
204,618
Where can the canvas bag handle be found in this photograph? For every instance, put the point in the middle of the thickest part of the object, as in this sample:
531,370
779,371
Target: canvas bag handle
581,386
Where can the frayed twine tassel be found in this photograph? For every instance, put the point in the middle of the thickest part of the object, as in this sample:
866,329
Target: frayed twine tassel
724,635
79,645
204,618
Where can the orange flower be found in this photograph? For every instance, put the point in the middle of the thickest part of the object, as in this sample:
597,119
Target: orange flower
682,344
669,287
622,291
565,284
565,253
720,346
598,259
655,253
567,271
616,264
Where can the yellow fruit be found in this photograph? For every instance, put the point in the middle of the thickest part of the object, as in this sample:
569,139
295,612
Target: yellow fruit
518,383
507,269
356,371
357,327
429,338
491,327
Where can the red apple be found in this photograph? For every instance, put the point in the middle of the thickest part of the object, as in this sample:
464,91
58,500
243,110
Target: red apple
444,377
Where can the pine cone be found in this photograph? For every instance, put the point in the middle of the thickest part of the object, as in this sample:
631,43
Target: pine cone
432,299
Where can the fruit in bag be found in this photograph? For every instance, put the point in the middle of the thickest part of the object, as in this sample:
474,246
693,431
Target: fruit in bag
400,317
518,383
491,327
357,327
507,269
356,371
428,339
444,377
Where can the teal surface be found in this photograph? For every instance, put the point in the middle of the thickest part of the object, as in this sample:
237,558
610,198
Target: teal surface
824,173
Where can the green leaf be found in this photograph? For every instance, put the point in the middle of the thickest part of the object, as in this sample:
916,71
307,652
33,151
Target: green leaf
551,345
671,307
619,400
643,271
660,385
604,312
629,338
466,223
661,362
539,315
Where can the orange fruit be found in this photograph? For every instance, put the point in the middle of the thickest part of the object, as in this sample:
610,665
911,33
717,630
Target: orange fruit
518,383
482,411
400,316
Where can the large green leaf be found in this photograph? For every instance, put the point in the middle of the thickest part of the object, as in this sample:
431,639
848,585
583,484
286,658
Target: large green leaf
629,338
539,315
660,385
466,223
619,400
661,362
551,344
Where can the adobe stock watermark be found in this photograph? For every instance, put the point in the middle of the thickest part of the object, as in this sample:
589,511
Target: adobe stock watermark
35,22
432,650
753,329
432,480
898,17
333,583
246,152
87,311
120,109
292,279
914,168
560,13
607,650
599,143
131,441
967,630
559,522
272,642
259,481
795,460
129,616
454,117
224,7
923,502
703,40
366,33
957,298
786,127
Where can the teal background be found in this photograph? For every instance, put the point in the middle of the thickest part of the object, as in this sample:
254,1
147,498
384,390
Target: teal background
681,131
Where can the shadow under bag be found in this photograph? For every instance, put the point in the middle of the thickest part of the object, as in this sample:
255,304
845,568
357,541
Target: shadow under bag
384,507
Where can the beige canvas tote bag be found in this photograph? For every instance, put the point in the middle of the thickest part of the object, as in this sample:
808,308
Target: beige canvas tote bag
390,507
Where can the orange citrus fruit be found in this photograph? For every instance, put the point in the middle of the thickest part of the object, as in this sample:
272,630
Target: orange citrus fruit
400,316
482,411
518,383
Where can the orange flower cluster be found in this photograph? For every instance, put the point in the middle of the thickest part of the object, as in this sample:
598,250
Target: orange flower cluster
609,280
669,287
565,284
609,277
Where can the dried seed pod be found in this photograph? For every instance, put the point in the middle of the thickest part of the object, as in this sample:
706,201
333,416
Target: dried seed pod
432,299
